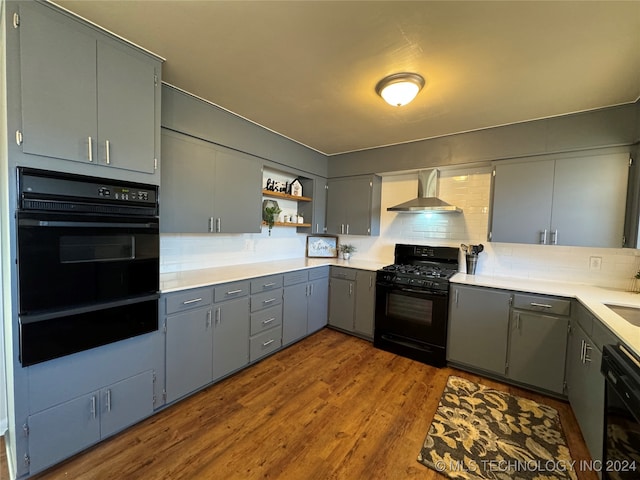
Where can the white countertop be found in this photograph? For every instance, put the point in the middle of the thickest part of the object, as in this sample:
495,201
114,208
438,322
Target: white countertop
592,297
171,282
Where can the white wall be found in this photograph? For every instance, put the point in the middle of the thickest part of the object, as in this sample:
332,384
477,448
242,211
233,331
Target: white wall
469,189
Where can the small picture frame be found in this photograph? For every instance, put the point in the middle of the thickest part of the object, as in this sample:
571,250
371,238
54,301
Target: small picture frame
322,246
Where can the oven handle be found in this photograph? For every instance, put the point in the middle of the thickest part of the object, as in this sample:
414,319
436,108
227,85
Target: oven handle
389,287
47,223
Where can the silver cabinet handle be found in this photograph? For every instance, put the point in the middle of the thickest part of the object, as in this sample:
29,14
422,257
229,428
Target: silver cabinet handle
233,292
317,228
90,144
350,289
582,345
268,342
218,315
543,237
194,300
587,350
540,305
554,237
107,148
267,285
347,229
268,321
211,224
93,406
218,225
517,321
108,400
208,324
456,299
270,300
310,289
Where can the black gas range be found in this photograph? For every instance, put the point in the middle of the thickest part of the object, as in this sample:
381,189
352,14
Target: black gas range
412,302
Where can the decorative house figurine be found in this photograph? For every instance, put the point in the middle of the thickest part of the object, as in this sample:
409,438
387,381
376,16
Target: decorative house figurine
296,188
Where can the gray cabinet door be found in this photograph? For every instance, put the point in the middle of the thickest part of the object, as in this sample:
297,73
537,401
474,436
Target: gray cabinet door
358,206
341,303
522,199
294,313
586,389
63,430
478,328
319,205
58,77
126,108
353,205
589,200
318,306
365,303
124,403
186,198
338,197
230,336
189,353
237,192
537,350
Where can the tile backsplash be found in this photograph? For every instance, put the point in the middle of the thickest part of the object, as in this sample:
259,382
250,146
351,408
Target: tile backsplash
467,188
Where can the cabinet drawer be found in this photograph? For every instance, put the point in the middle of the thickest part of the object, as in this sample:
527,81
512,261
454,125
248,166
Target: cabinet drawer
541,304
299,276
266,299
266,319
264,284
265,343
231,290
319,272
342,272
198,297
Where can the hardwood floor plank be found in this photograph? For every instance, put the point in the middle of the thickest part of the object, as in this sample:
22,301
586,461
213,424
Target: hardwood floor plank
328,407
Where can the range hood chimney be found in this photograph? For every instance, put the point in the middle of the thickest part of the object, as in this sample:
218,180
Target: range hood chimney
427,200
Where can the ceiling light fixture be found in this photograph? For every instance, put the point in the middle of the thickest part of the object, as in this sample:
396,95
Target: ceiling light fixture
400,88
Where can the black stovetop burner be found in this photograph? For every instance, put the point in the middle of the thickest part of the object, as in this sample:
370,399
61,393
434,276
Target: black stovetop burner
433,271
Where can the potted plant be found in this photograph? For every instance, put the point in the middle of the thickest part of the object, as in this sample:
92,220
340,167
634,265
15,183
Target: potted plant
346,249
270,214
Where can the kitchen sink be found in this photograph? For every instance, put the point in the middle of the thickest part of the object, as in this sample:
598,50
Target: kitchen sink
630,314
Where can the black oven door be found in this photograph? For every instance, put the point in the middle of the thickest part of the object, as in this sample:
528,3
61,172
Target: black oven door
84,281
411,322
621,458
67,261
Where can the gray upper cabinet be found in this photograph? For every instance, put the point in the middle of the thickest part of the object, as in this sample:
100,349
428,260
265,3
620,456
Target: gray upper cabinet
314,212
86,97
217,187
353,205
577,201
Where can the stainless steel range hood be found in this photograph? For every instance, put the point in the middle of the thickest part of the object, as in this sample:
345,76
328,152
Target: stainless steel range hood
427,200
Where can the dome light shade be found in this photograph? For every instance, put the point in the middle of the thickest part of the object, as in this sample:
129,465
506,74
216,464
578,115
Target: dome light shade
400,88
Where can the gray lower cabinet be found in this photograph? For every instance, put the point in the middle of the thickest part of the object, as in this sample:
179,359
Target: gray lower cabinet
585,383
552,202
353,205
352,300
86,96
304,303
515,336
230,336
211,183
68,428
266,316
478,328
538,341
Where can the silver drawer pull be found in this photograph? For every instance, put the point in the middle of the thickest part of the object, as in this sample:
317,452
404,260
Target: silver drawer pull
267,285
266,322
233,292
269,300
268,342
195,300
541,305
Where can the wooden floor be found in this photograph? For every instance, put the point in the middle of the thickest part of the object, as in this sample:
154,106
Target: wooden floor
329,407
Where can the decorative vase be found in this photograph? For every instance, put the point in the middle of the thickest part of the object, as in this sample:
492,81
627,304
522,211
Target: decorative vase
346,255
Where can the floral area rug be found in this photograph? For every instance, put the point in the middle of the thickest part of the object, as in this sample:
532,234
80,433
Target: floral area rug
481,433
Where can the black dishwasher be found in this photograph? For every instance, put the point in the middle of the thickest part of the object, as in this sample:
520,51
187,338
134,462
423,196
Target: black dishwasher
621,456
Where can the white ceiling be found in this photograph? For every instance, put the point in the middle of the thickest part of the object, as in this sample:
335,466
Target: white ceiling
308,69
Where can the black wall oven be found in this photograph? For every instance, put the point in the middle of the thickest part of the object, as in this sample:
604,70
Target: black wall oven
621,456
88,262
412,302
